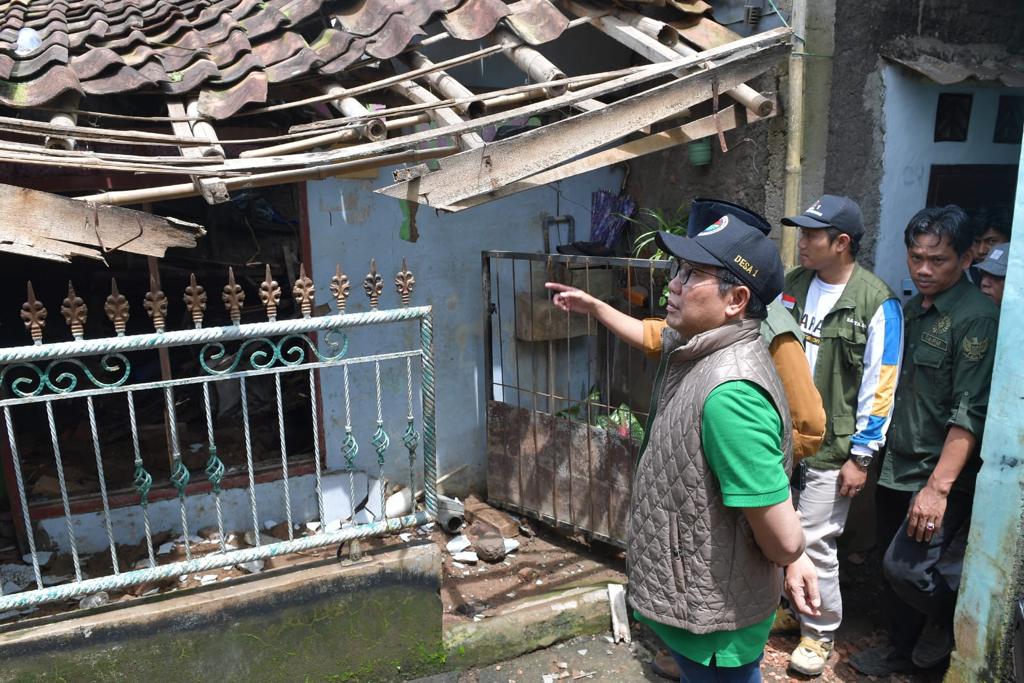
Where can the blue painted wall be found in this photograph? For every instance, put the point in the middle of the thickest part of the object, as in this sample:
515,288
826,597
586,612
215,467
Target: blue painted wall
992,571
910,152
349,224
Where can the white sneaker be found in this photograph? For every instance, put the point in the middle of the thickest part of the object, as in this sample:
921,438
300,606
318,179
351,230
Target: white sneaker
810,656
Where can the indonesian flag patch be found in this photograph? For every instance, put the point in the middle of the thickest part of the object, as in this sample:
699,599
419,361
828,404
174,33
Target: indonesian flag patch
789,301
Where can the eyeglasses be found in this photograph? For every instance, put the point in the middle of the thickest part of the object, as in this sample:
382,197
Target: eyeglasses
684,270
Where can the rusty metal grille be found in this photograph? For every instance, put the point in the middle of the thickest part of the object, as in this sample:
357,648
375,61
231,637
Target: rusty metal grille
566,399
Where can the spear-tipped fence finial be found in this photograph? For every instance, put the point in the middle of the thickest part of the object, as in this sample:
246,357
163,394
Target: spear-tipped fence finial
340,288
34,314
195,300
304,292
116,308
270,295
404,283
75,312
233,297
156,305
373,284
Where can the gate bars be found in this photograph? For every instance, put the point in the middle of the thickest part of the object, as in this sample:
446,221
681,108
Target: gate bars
84,369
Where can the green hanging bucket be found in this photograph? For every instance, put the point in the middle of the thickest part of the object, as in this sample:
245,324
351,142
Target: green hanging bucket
699,152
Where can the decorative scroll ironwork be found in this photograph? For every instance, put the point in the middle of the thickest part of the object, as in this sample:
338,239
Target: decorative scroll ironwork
340,288
75,312
86,369
303,291
116,308
195,300
34,314
270,295
234,297
404,282
373,285
156,305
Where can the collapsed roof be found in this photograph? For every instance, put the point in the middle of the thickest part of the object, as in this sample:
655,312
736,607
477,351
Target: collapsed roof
78,79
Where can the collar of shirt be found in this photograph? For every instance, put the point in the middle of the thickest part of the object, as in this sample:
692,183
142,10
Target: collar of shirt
944,302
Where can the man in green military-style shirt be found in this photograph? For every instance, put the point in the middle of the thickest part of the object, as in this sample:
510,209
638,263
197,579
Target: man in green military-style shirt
926,485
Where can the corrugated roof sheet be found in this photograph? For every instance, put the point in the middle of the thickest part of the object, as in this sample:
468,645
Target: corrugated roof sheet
947,64
225,52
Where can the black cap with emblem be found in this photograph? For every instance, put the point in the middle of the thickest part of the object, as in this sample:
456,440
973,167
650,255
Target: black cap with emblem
740,248
831,211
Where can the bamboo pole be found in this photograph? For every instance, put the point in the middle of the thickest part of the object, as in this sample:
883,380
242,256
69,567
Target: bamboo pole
794,138
647,36
333,138
442,82
372,128
443,116
535,65
182,190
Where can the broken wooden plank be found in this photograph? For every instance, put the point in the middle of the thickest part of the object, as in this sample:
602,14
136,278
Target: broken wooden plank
44,248
29,217
499,163
729,118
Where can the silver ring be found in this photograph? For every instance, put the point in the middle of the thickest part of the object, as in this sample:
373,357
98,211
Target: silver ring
930,526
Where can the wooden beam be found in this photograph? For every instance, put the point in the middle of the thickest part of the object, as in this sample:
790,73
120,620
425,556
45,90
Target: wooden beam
729,118
499,163
210,189
28,216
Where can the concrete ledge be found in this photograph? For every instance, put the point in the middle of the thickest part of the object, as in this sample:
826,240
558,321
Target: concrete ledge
528,626
375,620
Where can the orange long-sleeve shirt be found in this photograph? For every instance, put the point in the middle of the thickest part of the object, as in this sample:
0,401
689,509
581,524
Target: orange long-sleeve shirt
805,407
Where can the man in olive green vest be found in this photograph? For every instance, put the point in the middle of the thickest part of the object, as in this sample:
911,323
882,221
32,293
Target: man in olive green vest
926,485
853,334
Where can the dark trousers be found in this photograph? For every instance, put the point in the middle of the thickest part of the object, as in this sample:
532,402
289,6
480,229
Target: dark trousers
923,576
692,672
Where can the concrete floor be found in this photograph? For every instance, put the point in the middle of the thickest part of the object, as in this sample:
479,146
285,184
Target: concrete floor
588,658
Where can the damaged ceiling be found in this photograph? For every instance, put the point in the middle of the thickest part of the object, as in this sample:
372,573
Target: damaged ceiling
153,86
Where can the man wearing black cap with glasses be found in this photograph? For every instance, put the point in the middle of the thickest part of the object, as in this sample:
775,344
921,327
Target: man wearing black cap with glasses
853,333
711,517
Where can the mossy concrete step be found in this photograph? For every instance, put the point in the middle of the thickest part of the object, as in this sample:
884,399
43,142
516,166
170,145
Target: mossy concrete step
528,625
375,620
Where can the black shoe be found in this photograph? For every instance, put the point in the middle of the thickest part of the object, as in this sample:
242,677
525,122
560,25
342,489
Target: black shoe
665,666
881,661
934,646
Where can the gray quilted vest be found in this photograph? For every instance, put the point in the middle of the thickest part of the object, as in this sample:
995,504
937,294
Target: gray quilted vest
692,562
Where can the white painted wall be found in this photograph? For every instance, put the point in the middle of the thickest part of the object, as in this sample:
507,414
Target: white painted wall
910,151
349,224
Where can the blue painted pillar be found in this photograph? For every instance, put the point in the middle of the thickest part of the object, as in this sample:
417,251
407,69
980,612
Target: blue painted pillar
992,577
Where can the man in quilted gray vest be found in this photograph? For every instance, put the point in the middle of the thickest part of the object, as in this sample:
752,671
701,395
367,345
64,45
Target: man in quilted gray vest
711,518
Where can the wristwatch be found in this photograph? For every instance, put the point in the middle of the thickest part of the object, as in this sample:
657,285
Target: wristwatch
864,460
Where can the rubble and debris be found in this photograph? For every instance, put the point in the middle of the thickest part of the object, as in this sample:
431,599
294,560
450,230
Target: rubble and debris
476,509
94,600
42,556
466,557
450,513
620,616
487,541
398,503
458,544
253,567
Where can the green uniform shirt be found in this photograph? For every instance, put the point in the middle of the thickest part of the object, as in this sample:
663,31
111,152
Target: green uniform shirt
741,436
947,369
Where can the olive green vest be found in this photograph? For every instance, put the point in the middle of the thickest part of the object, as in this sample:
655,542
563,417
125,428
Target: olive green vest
840,365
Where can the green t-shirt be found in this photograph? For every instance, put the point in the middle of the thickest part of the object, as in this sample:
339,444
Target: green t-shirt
742,441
